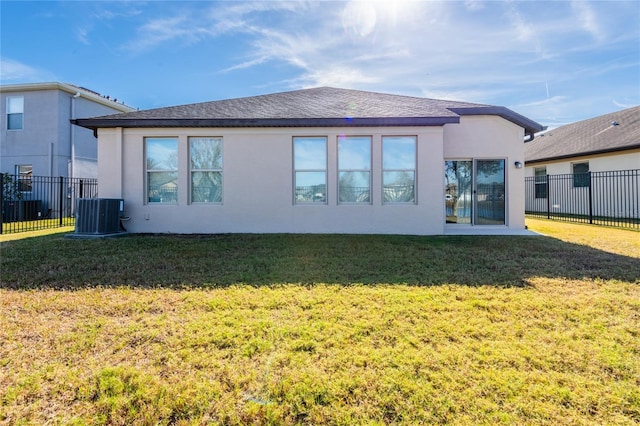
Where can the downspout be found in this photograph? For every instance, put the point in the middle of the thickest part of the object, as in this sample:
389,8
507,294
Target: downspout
72,154
51,144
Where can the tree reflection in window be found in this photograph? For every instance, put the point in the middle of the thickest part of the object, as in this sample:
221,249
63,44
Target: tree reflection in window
206,169
354,163
162,170
399,169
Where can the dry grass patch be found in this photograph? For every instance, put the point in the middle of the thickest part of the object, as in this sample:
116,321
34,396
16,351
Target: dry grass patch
613,240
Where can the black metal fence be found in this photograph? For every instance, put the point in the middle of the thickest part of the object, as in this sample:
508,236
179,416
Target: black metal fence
31,203
601,198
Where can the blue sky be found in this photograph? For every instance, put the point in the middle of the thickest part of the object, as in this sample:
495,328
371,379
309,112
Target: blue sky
555,62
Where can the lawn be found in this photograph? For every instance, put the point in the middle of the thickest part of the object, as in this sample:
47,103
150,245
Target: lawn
318,329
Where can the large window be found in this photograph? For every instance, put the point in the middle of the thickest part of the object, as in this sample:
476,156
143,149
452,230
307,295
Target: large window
162,170
581,175
15,109
541,182
206,170
354,169
399,169
310,169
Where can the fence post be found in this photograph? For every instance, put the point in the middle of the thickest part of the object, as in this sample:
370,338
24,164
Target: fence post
590,199
60,199
1,200
548,198
81,189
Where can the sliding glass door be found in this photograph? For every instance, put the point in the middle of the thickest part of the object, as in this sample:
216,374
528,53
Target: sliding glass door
458,191
475,192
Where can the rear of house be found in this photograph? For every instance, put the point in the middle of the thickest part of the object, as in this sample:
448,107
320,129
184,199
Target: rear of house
319,160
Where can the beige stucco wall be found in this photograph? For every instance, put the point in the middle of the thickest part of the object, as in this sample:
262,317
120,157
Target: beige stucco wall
258,180
491,137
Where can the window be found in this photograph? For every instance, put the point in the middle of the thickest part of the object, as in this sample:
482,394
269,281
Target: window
24,173
310,169
206,170
15,109
354,169
162,170
399,169
541,182
581,176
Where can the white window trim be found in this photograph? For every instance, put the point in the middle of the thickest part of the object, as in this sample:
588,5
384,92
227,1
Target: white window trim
13,113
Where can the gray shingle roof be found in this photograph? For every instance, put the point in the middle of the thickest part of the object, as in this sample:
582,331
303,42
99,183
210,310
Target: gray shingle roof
593,136
323,106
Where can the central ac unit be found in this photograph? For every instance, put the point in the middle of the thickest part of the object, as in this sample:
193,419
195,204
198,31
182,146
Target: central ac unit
97,216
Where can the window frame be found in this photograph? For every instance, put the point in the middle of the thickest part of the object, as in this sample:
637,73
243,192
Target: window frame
11,113
296,198
366,200
581,179
26,181
192,170
413,170
148,171
541,191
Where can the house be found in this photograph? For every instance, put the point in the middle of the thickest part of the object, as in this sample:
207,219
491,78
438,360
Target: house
586,169
605,143
36,136
322,160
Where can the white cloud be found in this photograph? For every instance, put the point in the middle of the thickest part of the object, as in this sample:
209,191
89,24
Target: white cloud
103,12
194,25
624,105
14,71
337,76
159,31
474,5
484,52
588,19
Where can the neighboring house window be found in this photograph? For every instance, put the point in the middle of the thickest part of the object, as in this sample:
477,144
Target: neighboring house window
162,170
15,110
581,175
399,169
24,174
206,170
354,169
541,182
310,169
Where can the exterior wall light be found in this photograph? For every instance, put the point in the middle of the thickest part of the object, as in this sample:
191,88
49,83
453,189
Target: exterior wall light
518,164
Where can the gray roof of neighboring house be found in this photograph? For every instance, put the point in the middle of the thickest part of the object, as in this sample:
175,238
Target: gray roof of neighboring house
593,136
319,107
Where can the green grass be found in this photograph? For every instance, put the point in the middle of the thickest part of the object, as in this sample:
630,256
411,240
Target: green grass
304,329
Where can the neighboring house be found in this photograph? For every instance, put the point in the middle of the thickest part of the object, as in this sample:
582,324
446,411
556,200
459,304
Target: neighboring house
586,168
36,136
605,143
320,160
